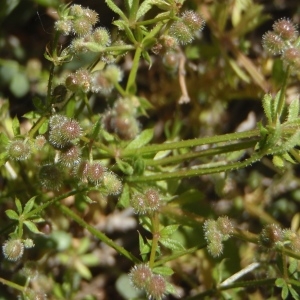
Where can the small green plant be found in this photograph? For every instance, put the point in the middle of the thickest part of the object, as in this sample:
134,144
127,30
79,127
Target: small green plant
74,176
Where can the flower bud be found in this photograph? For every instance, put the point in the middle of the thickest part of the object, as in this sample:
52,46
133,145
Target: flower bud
101,36
100,83
76,10
138,203
40,142
28,243
91,16
19,150
152,199
64,26
270,235
50,177
273,43
215,247
70,156
225,226
193,21
13,249
291,56
82,27
156,287
140,275
181,32
112,183
292,239
113,73
286,29
57,120
95,173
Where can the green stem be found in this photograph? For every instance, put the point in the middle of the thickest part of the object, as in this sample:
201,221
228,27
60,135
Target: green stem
177,255
155,238
132,75
13,285
36,126
196,172
281,101
154,148
164,17
40,208
101,236
207,152
252,283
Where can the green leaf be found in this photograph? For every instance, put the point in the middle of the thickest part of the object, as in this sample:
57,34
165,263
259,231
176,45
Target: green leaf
3,158
280,282
125,167
19,206
293,265
141,140
171,244
293,110
284,292
146,223
32,227
116,9
165,271
144,8
4,140
267,106
44,127
16,126
12,214
278,161
124,200
293,141
96,129
29,205
168,230
145,248
139,166
294,293
107,136
147,58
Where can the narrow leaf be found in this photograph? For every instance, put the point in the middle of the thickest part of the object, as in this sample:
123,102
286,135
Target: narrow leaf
142,139
29,205
12,214
125,197
168,230
4,140
116,9
144,8
19,206
125,167
267,106
171,244
293,110
16,126
32,227
165,271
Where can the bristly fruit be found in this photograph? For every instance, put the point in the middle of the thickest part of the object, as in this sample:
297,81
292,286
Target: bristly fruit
286,29
13,249
140,275
19,150
156,287
50,177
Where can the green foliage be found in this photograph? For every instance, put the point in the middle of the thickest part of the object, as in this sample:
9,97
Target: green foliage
125,153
